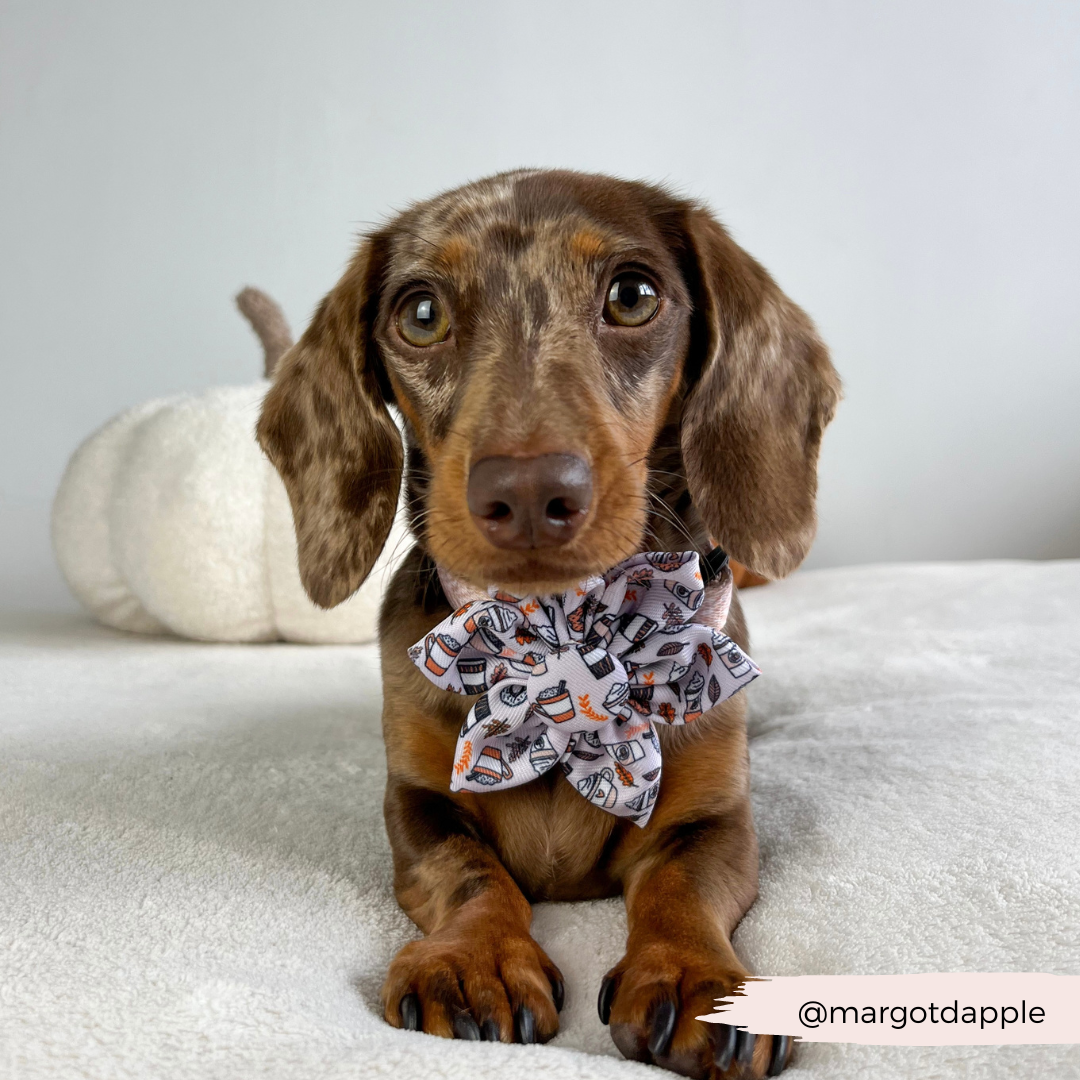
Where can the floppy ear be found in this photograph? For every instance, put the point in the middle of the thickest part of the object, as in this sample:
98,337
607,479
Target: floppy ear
326,428
762,390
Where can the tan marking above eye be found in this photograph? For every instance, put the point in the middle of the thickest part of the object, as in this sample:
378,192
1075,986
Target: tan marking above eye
454,252
423,321
632,300
586,244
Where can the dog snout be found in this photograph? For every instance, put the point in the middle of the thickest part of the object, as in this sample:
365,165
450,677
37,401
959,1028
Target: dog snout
530,502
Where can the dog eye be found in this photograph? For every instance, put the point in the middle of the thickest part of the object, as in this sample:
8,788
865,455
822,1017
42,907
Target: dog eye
423,321
631,300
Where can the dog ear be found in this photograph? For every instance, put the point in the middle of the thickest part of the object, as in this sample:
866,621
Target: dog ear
762,390
326,428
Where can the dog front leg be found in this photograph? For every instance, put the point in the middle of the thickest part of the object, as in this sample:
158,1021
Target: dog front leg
686,889
478,973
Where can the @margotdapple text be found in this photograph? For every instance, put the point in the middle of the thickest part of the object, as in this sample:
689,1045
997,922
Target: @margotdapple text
939,1009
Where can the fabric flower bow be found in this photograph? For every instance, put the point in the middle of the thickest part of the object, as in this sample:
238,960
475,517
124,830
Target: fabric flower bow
578,679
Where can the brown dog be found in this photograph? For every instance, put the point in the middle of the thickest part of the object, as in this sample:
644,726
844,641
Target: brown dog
586,368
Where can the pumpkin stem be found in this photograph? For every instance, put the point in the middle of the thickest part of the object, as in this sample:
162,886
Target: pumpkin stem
269,323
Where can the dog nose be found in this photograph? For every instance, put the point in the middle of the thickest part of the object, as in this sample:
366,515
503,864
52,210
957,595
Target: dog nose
530,502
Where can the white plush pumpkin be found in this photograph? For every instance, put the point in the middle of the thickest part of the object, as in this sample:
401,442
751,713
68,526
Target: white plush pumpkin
170,518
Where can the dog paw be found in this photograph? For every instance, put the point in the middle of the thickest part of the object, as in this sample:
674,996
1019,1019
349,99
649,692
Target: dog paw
651,1000
475,986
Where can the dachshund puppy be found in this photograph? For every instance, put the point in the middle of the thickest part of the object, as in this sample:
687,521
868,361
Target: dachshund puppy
586,368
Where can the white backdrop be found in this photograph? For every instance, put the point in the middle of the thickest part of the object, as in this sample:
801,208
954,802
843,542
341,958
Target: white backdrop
908,171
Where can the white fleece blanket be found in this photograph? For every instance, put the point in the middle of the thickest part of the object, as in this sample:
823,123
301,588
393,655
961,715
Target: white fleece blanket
195,880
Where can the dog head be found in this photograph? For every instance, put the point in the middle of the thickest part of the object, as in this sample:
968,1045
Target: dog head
582,364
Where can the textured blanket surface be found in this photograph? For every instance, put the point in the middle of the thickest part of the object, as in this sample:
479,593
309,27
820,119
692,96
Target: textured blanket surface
195,879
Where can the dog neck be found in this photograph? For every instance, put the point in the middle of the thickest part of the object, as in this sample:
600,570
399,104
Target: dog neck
715,572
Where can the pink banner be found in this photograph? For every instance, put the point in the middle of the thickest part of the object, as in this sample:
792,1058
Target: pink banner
909,1010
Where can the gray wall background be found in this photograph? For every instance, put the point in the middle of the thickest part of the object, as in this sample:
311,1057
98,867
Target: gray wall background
910,172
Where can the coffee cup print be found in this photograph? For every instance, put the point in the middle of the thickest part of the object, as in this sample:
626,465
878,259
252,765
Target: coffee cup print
599,787
666,561
600,633
690,597
531,663
734,659
441,651
473,675
598,661
677,671
555,703
641,803
480,712
638,627
542,754
514,695
486,640
490,769
694,690
625,753
579,616
616,696
490,617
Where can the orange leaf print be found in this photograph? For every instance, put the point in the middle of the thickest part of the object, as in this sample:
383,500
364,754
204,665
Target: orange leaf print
667,711
529,608
463,761
624,775
586,708
647,677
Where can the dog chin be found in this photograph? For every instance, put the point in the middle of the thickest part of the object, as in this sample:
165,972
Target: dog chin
529,573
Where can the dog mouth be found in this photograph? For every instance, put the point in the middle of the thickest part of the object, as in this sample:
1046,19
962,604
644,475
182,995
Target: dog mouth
528,568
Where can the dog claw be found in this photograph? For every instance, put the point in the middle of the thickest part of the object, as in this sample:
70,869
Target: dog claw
663,1027
744,1049
465,1027
558,993
410,1012
490,1030
607,995
525,1025
780,1046
725,1047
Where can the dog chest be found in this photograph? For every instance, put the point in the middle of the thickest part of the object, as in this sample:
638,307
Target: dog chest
551,840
